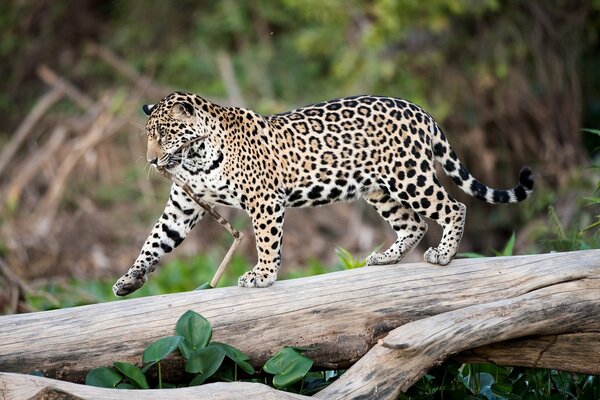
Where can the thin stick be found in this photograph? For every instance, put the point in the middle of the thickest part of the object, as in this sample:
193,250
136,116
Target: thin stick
226,260
237,235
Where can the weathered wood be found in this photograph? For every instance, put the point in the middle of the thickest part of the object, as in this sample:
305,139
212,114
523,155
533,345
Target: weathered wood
342,314
574,352
407,352
19,387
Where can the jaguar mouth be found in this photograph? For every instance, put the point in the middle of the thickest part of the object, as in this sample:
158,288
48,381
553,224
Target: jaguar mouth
177,157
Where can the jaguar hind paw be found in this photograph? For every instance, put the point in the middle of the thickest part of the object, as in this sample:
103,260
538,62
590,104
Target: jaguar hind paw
256,280
433,256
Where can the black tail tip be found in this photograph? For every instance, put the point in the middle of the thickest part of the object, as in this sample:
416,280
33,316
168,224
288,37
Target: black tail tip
526,178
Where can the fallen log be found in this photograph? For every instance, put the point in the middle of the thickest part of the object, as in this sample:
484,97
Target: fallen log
407,352
573,352
19,387
342,314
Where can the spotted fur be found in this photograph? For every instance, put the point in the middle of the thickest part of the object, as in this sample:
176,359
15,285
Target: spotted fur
378,148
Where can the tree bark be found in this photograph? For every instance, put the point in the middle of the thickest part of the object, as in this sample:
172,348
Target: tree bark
342,315
19,387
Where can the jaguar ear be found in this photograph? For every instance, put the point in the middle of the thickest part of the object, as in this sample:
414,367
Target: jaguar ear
182,110
148,108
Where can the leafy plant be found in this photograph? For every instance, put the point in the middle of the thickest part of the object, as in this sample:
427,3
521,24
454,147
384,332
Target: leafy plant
202,358
492,382
347,260
288,366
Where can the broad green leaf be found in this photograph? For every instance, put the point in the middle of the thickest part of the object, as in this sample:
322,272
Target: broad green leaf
501,389
205,361
134,373
126,386
288,366
103,377
235,355
160,349
195,330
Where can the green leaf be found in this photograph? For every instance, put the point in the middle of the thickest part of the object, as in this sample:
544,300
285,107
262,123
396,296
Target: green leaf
236,356
103,377
593,131
160,349
126,386
134,373
288,366
206,362
509,247
501,389
204,286
196,331
347,260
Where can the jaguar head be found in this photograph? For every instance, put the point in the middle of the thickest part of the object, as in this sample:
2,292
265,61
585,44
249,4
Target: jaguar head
174,124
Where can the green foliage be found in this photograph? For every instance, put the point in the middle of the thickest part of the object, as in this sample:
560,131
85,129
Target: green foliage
491,382
288,366
203,360
103,377
133,373
506,251
173,276
158,350
347,260
195,330
205,363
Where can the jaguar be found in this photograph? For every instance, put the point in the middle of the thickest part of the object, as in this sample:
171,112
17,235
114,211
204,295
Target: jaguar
381,149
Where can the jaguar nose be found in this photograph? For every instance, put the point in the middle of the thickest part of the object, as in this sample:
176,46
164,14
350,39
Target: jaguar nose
154,161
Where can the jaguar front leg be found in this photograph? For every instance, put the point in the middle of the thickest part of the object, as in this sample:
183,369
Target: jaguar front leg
179,217
267,220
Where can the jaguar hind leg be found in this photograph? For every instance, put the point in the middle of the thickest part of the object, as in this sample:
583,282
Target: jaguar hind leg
429,199
454,224
407,224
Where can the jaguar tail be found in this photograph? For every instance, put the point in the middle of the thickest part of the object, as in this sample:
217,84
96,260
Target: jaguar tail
445,155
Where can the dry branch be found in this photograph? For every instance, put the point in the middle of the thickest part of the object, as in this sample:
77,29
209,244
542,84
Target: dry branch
40,108
342,314
32,166
52,79
124,68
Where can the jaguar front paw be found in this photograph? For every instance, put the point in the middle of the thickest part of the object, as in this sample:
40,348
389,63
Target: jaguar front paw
383,259
130,282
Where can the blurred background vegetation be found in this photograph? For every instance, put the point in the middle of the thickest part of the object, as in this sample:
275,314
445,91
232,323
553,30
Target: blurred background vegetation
512,83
